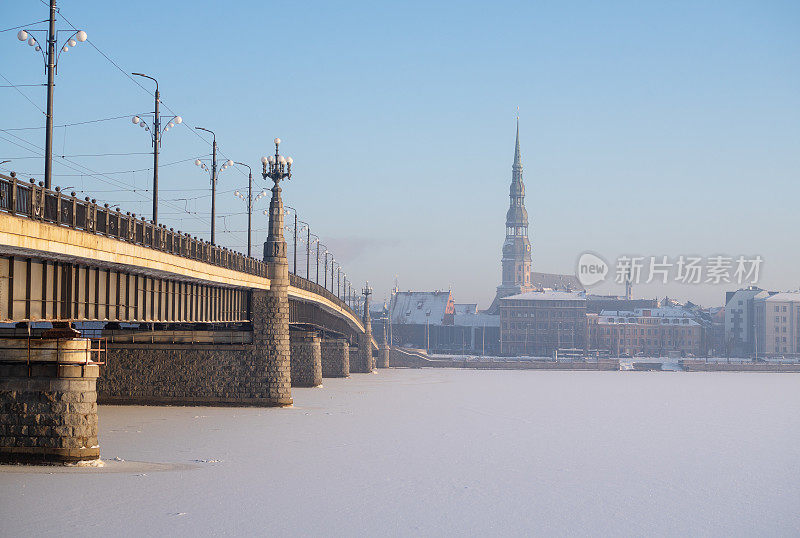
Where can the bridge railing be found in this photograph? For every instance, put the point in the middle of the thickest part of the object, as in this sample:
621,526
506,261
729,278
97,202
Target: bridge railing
27,199
308,285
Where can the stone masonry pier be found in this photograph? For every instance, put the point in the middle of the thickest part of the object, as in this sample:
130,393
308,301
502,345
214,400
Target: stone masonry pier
335,357
48,402
306,359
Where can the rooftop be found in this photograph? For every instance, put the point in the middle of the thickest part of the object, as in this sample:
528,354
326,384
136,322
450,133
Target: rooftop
784,296
547,296
421,307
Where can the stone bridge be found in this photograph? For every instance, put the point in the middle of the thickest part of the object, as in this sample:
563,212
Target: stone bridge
170,319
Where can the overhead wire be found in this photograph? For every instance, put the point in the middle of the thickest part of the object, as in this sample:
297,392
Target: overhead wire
22,94
101,175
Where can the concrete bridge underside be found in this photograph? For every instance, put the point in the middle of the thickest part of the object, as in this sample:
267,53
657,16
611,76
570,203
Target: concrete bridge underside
59,274
55,273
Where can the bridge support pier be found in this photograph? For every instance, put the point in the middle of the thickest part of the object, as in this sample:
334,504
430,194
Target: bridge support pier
306,359
383,357
335,357
364,361
48,401
361,359
383,350
253,372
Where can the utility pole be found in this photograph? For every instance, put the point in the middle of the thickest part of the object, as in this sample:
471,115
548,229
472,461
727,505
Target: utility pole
51,67
156,139
249,205
156,147
308,252
213,189
294,249
324,271
213,173
316,279
51,71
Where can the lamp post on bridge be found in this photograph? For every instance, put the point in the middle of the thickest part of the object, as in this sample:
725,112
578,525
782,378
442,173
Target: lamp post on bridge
276,167
51,68
213,174
333,262
325,268
294,247
250,201
316,240
308,249
155,138
306,227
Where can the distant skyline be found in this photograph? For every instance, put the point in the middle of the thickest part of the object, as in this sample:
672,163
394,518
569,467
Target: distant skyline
646,129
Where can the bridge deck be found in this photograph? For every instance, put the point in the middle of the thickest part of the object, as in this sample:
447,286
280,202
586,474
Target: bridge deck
62,258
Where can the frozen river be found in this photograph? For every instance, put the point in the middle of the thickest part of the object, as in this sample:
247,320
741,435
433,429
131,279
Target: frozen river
442,452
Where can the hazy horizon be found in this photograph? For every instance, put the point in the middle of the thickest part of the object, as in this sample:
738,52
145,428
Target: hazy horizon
646,130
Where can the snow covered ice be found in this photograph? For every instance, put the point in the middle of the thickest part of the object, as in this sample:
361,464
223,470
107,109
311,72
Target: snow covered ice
442,452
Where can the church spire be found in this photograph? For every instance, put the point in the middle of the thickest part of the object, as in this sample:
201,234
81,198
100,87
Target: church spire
517,249
516,261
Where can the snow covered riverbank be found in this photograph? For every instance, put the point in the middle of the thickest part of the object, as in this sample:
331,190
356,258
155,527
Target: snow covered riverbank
441,452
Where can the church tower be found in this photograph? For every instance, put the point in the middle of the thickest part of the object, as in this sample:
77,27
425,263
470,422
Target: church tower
516,260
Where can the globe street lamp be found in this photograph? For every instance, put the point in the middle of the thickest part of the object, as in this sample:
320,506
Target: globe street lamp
276,168
155,138
213,173
280,167
51,67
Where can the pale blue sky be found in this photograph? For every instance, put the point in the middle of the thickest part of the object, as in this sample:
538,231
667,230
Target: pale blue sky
647,128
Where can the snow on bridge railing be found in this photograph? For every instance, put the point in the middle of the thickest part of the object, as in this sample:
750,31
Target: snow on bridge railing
27,199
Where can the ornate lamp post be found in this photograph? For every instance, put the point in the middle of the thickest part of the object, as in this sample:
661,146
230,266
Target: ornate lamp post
276,168
367,291
155,136
249,200
51,68
213,174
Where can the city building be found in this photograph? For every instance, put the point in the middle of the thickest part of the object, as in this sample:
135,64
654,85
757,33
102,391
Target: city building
417,316
466,308
475,332
715,337
655,332
432,320
777,324
597,303
739,320
539,323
